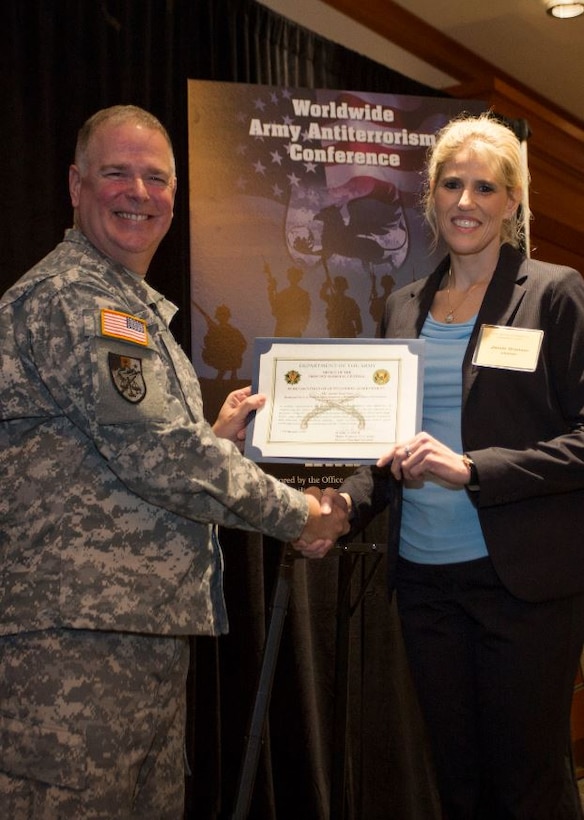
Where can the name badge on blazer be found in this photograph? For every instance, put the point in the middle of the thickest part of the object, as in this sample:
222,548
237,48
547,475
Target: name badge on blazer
509,348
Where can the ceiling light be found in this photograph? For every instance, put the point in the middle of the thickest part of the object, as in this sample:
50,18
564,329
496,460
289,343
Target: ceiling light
563,8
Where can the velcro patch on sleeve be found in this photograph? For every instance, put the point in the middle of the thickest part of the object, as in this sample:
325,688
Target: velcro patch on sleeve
123,326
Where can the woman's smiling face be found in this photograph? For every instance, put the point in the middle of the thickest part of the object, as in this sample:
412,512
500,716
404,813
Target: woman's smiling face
471,204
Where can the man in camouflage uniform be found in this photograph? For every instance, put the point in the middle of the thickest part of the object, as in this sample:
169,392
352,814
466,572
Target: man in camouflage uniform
111,484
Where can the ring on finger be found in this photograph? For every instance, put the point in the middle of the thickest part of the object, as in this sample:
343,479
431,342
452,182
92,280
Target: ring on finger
408,452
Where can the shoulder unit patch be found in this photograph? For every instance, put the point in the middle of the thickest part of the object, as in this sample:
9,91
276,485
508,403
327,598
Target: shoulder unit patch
127,377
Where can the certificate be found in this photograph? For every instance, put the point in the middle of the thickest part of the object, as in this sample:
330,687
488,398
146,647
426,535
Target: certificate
334,400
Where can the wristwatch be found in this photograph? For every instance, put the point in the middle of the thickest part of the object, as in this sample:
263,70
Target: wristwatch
473,481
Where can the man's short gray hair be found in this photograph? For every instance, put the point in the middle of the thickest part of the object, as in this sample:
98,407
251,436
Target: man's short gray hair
117,115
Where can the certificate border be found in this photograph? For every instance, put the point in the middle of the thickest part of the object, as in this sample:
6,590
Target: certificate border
262,345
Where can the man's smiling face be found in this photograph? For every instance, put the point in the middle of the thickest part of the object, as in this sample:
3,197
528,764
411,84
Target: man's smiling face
123,192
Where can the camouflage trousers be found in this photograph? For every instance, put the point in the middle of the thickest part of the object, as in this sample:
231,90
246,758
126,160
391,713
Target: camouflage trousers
92,726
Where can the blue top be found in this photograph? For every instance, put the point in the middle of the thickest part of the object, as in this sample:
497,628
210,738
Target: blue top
439,523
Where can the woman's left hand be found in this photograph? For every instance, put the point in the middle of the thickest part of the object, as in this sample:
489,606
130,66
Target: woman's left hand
422,457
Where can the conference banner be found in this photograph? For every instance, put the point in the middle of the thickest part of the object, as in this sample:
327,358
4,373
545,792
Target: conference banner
305,213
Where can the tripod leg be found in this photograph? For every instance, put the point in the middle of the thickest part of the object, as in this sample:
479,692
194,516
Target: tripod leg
339,763
251,755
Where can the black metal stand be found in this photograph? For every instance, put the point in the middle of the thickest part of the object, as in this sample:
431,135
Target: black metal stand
264,690
349,557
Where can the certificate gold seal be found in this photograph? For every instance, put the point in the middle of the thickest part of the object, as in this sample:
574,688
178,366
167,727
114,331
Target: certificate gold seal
381,376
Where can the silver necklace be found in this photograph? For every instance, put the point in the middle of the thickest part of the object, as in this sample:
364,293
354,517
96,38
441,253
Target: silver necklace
449,318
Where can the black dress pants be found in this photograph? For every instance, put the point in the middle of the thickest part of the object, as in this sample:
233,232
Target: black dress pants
494,677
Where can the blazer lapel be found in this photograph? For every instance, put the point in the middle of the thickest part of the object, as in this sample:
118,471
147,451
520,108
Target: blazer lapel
413,312
502,298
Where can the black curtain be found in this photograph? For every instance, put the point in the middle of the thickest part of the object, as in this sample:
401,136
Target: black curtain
61,61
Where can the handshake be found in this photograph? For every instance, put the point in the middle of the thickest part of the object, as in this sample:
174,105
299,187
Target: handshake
328,519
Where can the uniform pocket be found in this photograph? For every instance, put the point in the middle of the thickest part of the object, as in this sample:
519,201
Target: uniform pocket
46,753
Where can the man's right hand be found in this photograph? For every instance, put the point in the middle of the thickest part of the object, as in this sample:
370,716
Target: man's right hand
328,519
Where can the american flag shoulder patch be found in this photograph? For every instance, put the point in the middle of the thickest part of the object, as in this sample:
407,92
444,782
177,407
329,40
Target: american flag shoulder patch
123,326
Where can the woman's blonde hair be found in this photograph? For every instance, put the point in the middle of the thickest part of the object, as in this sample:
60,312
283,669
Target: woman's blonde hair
499,146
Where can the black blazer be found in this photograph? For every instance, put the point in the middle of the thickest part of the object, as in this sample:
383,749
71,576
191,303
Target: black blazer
524,431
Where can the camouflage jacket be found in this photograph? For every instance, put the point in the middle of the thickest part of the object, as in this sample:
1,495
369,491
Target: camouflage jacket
111,478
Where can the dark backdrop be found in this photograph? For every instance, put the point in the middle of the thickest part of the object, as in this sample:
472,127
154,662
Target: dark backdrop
61,60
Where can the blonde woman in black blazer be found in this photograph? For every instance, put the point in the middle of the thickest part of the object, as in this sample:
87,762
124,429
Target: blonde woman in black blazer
486,504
